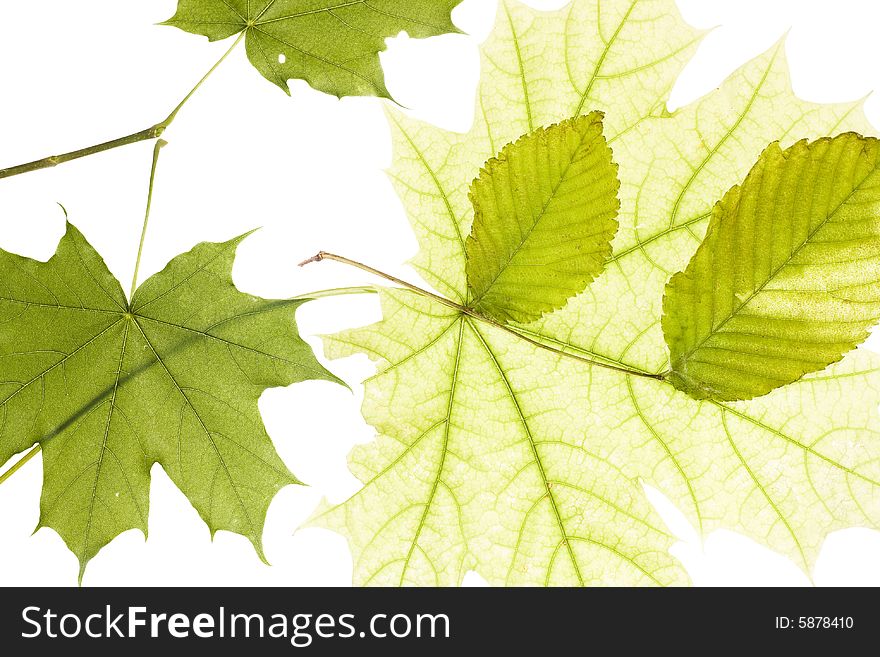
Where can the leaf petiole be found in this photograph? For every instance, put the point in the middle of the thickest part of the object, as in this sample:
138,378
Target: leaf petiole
470,312
137,263
323,255
21,462
168,121
153,132
336,292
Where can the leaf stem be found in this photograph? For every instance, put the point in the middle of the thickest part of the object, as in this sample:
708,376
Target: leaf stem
144,135
137,263
153,132
470,312
24,459
204,79
335,292
323,255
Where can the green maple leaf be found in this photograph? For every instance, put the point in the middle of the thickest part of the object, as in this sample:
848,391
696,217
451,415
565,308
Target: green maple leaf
333,45
108,388
497,454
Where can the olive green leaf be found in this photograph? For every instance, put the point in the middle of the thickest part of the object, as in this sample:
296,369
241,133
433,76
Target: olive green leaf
525,465
333,45
543,220
109,387
787,279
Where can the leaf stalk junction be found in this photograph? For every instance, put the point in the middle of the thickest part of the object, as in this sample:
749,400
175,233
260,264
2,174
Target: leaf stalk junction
470,312
153,132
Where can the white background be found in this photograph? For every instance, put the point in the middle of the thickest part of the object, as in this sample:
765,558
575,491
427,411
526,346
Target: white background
309,170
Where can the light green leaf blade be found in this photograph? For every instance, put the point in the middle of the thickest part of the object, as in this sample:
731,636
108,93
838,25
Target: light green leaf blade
787,279
333,45
480,464
785,469
108,389
716,461
544,220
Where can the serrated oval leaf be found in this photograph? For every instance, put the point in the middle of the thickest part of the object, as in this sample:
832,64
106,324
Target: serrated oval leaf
544,219
333,45
788,278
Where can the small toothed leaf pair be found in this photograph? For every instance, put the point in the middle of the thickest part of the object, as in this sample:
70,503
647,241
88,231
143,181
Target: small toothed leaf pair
109,386
785,283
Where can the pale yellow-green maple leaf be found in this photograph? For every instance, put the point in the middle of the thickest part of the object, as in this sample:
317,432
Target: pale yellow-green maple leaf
526,465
